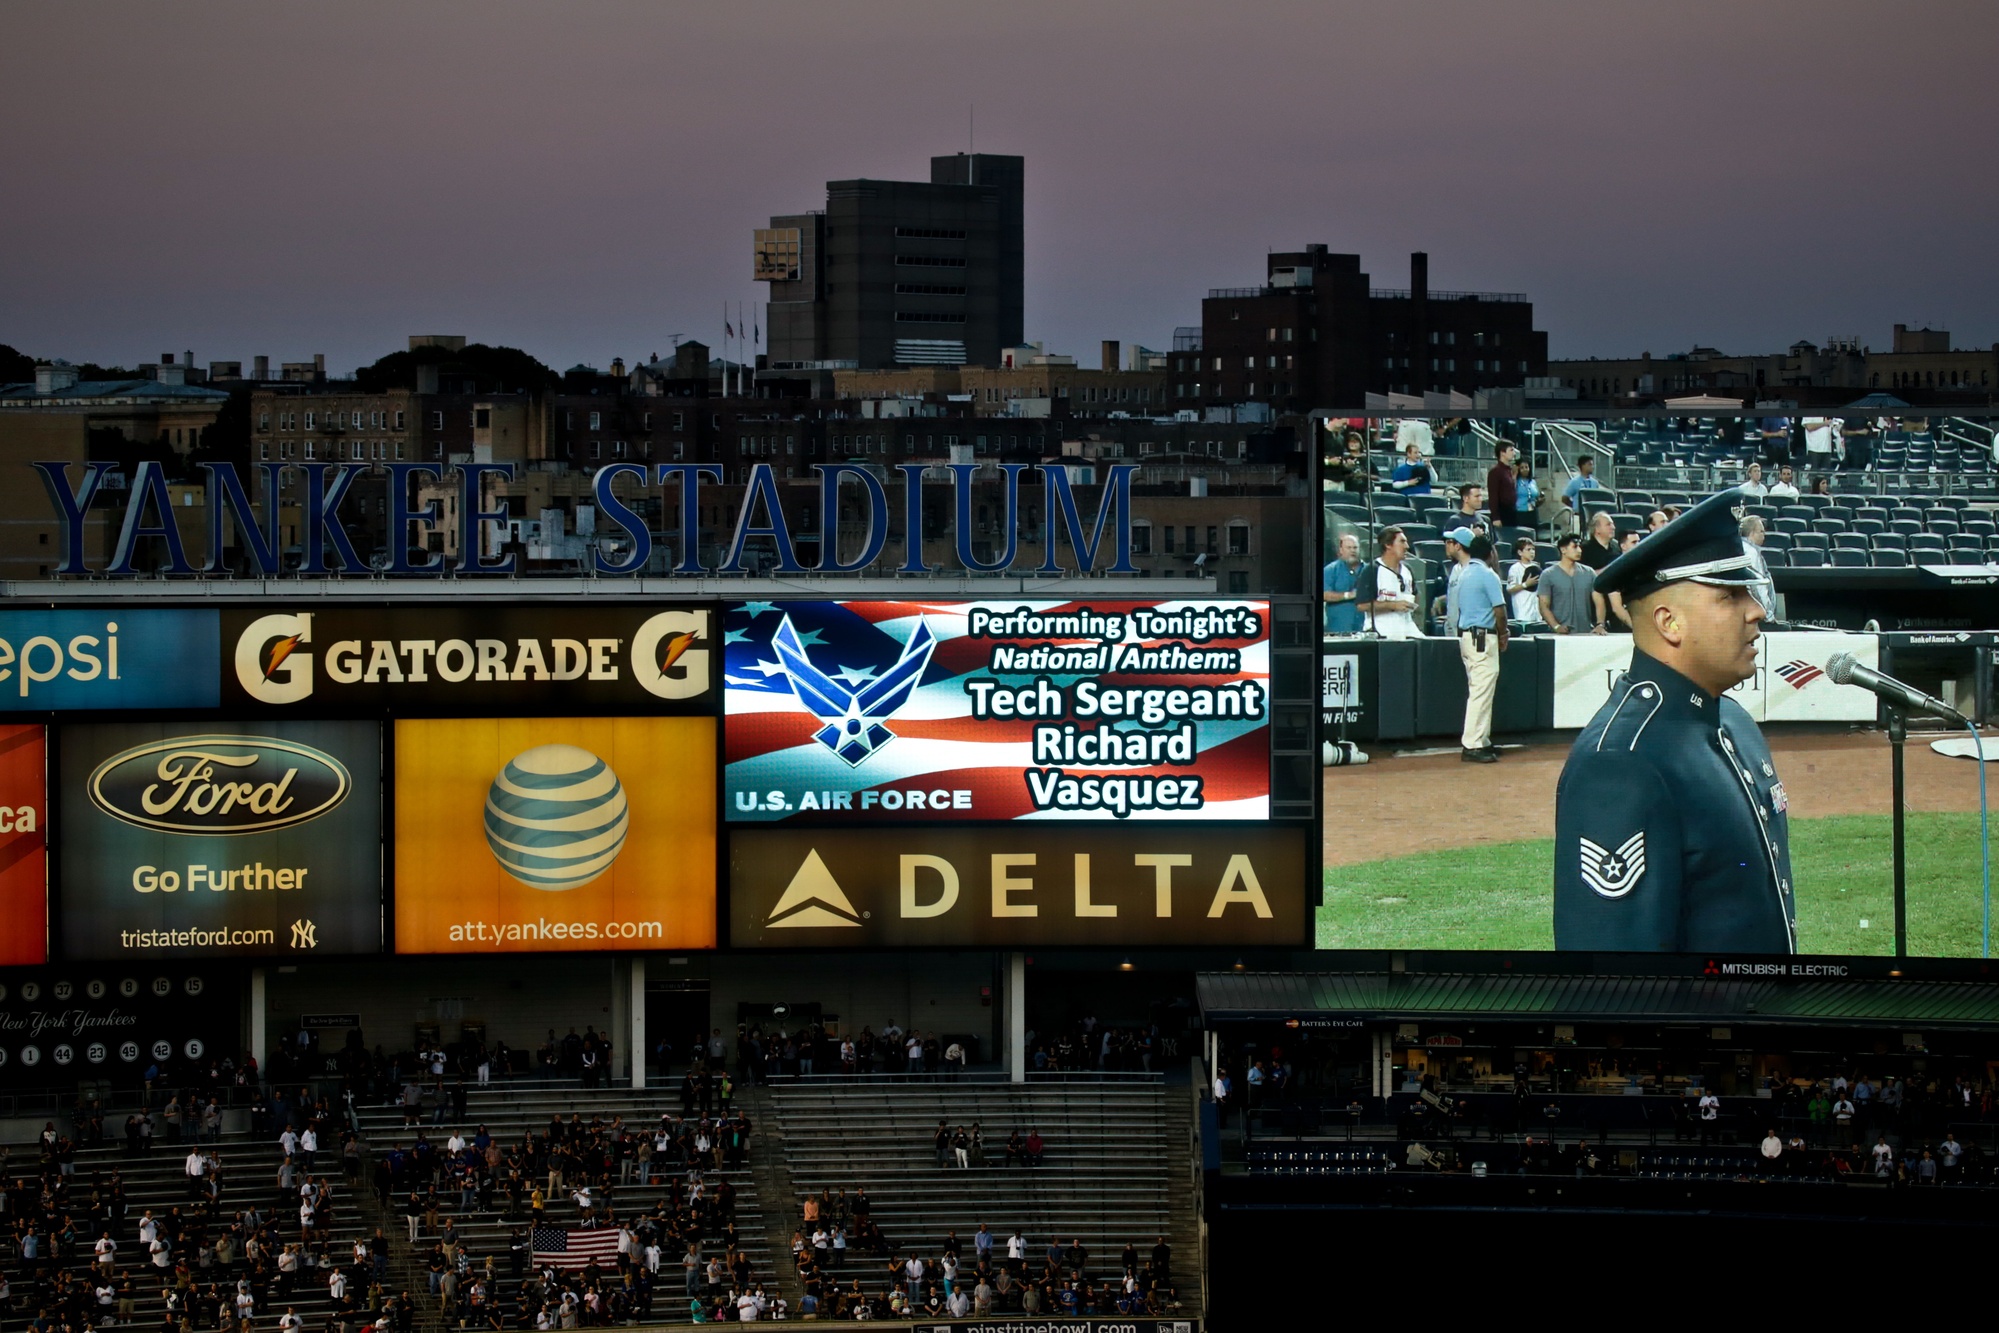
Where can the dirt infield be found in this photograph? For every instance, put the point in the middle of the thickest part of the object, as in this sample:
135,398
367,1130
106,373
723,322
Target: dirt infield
1422,801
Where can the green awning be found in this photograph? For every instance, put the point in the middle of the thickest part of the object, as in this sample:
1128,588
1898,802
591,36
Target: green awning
1276,996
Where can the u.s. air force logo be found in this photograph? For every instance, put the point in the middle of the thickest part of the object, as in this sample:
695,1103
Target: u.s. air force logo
1614,874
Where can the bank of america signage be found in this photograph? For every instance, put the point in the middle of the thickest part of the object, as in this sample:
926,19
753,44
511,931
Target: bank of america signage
849,495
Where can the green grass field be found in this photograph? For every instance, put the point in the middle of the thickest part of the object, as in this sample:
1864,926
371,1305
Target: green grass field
1498,896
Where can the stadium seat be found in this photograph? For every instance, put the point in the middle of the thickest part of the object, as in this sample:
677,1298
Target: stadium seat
1870,513
1810,541
1906,526
1967,555
1790,525
1870,527
1845,558
1885,559
1775,557
1828,526
1803,511
1852,541
1927,541
1844,513
1943,527
1806,558
1776,541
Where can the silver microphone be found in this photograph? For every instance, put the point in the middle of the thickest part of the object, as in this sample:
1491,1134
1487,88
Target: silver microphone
1845,671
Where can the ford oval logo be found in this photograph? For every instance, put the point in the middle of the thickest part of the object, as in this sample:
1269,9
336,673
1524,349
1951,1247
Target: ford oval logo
219,784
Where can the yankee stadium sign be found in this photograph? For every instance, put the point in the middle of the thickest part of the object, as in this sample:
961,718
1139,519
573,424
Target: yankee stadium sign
326,503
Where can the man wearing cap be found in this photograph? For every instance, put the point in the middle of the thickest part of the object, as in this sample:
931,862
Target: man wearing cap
1670,825
1477,607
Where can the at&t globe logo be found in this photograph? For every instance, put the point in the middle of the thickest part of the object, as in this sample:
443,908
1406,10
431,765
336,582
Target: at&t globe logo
556,817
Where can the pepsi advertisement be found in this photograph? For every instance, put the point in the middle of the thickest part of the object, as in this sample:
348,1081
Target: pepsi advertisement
878,711
200,841
111,658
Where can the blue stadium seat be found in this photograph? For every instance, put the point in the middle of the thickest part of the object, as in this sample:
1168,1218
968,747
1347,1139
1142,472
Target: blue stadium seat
1967,555
1803,511
1776,541
1828,526
1810,541
1849,559
1869,526
1852,541
1790,525
1775,557
1885,559
1805,558
1936,523
1870,513
1908,527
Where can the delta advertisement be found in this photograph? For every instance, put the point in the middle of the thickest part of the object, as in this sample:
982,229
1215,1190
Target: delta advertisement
544,835
470,659
112,658
1039,885
192,840
898,711
113,1021
24,860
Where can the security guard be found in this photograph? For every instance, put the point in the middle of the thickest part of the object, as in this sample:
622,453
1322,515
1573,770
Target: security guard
1670,831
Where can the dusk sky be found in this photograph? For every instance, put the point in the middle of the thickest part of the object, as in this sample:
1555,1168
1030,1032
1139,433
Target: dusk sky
581,180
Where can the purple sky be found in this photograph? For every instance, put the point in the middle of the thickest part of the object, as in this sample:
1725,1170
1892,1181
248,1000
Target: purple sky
581,180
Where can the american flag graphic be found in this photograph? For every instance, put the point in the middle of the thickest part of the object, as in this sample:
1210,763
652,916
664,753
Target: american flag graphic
867,702
575,1247
1800,673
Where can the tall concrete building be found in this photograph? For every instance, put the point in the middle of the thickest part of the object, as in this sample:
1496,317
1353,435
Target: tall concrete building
899,273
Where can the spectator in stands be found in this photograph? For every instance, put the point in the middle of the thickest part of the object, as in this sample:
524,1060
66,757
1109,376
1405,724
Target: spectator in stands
1036,1149
1772,1147
1412,475
1350,467
1822,442
1471,508
1341,582
1821,486
1655,520
1752,483
1567,592
1600,548
1764,591
1502,484
1775,433
1523,577
1784,488
1527,491
1583,480
1390,608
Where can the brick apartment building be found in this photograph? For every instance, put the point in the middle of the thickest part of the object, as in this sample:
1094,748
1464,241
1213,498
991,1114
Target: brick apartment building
1317,334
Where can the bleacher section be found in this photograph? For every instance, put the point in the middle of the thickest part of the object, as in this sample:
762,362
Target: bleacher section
1119,1157
158,1181
508,1111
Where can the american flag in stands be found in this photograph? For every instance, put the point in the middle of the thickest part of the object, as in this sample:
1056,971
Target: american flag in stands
575,1247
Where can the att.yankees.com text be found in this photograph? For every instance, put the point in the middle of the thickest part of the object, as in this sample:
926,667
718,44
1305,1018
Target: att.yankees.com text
500,934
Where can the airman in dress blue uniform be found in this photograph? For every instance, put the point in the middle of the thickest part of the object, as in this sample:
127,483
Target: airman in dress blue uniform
1670,825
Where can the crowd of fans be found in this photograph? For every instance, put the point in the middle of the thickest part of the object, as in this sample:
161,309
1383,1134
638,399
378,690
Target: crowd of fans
849,1270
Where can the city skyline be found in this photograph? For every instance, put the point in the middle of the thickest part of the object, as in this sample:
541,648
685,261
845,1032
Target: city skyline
239,182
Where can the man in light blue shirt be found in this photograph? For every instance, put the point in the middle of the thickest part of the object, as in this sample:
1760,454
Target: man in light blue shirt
1341,588
1478,613
1584,480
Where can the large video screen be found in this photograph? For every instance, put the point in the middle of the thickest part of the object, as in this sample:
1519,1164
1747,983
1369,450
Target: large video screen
1682,774
997,710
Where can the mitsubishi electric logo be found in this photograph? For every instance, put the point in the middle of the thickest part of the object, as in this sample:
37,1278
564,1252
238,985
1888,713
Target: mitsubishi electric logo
853,729
813,898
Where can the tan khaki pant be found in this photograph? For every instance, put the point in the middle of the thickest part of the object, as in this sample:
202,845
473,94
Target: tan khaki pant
1481,681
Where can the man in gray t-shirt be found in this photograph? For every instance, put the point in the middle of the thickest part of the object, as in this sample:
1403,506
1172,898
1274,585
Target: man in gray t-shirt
1569,601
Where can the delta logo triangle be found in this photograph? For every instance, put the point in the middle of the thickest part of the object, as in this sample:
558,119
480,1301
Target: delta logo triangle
813,898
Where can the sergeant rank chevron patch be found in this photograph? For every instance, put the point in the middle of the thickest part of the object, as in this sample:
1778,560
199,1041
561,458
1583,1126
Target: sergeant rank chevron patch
1614,874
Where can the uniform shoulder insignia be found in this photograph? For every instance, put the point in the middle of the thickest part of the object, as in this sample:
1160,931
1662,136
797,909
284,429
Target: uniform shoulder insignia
1627,721
1612,874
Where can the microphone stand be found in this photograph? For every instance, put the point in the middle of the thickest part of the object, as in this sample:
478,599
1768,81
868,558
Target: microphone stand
1898,735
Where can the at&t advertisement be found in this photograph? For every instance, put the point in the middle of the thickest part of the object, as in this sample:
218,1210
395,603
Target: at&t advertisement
998,710
539,835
